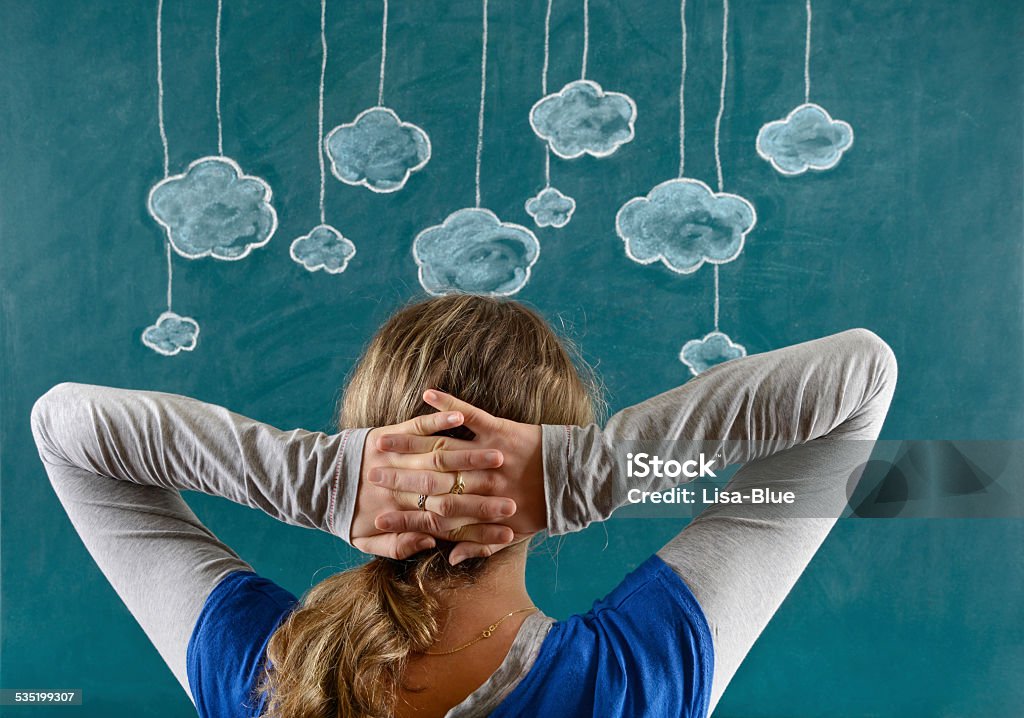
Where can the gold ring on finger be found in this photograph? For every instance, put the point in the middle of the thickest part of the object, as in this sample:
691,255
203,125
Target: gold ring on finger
421,502
458,486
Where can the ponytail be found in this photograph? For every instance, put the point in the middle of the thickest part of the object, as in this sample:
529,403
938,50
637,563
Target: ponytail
343,651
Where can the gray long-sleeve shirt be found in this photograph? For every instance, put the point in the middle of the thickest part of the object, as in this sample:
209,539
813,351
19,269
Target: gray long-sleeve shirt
118,458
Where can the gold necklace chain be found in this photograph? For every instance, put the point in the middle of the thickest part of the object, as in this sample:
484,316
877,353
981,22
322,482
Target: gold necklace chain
486,633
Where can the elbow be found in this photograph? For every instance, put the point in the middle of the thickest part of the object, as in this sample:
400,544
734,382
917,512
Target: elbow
45,412
879,359
45,403
879,353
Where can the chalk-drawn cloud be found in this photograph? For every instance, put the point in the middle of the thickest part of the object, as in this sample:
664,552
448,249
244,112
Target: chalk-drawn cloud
171,334
715,348
808,138
473,251
323,248
583,118
214,210
377,150
551,208
684,224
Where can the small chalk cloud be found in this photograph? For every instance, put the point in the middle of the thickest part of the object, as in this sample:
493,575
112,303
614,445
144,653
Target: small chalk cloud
473,251
714,348
582,118
684,224
377,150
323,248
807,139
550,208
214,210
171,334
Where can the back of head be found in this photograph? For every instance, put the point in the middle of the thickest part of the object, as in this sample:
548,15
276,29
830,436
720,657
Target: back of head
344,650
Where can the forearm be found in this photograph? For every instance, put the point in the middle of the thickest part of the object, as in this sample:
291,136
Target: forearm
742,410
177,442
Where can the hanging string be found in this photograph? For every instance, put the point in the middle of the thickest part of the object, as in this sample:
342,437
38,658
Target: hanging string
807,57
718,126
483,95
716,298
163,130
721,92
383,55
682,94
220,123
586,37
544,88
320,108
160,85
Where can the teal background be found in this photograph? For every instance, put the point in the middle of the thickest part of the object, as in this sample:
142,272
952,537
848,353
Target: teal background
916,234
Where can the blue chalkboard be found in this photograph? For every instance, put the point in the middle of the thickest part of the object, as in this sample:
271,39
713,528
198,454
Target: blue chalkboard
869,177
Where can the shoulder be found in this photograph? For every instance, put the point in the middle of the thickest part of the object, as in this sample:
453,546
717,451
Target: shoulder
225,653
644,649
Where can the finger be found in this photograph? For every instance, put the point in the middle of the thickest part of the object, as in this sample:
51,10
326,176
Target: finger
466,550
465,508
423,481
395,545
428,424
414,444
447,529
497,534
418,521
476,419
437,525
448,460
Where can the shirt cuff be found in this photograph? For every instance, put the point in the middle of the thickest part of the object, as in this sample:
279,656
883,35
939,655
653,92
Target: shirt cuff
345,488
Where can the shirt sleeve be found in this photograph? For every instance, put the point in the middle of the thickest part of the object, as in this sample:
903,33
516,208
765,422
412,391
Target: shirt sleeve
227,650
645,649
721,412
155,438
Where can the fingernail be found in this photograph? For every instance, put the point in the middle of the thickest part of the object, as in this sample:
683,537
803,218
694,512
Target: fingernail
386,443
375,479
430,395
453,560
492,456
453,418
385,524
424,543
507,508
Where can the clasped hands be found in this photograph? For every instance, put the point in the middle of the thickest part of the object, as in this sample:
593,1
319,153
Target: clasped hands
501,467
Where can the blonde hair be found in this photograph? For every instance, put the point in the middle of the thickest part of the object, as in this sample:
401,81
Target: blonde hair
342,652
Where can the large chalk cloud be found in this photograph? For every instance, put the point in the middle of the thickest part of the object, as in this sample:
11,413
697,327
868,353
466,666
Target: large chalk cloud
582,118
807,139
473,251
377,150
214,210
683,224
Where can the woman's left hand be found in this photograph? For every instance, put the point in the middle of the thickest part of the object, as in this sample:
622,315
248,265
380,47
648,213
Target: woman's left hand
464,518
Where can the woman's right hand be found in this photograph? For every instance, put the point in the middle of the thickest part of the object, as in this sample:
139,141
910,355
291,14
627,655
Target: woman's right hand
519,477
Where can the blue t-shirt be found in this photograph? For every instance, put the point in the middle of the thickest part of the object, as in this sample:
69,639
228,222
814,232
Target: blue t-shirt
643,650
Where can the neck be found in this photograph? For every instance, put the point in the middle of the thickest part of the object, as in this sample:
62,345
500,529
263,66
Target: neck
468,611
439,682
